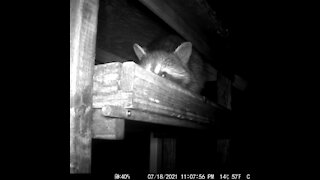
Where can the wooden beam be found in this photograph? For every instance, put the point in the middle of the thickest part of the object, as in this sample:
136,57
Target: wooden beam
107,127
128,91
83,30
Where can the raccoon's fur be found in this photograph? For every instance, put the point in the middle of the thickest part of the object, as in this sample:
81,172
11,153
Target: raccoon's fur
174,59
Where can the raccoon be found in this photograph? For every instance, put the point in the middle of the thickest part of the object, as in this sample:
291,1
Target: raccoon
175,60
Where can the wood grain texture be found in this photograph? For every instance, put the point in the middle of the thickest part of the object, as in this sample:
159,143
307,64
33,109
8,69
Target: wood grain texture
83,30
106,127
162,154
107,84
169,154
155,154
144,96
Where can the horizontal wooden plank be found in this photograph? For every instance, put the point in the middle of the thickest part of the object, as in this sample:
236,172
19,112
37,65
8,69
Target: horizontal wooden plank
170,99
129,102
147,116
120,98
112,70
148,106
106,78
164,120
159,91
100,88
146,93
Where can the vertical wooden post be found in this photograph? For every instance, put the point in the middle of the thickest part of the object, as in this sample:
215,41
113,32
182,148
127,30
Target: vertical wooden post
223,149
224,86
162,154
83,30
169,154
155,154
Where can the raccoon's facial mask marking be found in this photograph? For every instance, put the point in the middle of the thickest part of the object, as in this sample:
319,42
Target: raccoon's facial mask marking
175,72
167,65
157,68
182,65
148,67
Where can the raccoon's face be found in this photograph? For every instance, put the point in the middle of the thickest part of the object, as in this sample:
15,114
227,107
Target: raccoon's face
167,66
164,64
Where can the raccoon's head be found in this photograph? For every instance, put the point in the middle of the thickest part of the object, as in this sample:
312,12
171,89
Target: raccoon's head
169,65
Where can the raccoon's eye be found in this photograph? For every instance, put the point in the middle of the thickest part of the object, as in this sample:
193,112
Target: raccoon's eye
163,74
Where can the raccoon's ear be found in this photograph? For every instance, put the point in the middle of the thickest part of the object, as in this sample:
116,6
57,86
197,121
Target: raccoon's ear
184,52
140,52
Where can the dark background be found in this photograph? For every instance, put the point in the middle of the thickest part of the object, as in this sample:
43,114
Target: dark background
272,44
